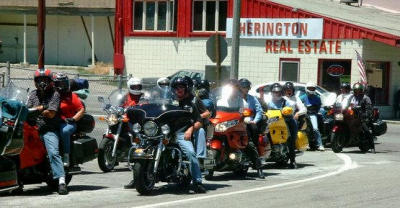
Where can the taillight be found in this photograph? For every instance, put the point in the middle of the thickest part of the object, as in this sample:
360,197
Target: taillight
110,136
216,144
376,113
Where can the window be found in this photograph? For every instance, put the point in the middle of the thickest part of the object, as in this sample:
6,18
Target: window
378,82
334,72
289,70
154,15
209,15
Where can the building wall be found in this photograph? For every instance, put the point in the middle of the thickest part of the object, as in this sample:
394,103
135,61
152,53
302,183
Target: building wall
163,56
65,40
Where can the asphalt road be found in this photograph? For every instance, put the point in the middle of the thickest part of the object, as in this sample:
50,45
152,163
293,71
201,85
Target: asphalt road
324,179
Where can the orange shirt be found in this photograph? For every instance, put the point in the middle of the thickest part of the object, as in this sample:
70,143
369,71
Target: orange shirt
70,104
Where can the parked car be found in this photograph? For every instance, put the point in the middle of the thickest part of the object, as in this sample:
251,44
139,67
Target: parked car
327,98
194,74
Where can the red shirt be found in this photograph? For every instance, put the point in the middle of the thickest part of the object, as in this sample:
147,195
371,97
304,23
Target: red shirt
131,100
70,104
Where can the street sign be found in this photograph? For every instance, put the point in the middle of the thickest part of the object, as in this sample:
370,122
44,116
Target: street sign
217,43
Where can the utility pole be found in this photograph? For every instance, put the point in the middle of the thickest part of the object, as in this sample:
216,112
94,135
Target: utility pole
235,39
41,15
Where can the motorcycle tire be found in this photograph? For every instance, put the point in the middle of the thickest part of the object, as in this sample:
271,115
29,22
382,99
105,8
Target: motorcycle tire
337,142
53,183
242,172
210,175
141,172
104,158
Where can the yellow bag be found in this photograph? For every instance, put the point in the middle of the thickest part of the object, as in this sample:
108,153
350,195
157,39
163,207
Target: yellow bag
302,141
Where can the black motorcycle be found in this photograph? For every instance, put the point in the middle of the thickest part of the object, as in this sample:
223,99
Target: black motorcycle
325,124
156,154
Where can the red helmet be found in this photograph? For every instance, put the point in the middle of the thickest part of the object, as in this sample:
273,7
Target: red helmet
43,79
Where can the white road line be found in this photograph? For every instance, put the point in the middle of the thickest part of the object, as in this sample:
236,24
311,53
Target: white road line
346,166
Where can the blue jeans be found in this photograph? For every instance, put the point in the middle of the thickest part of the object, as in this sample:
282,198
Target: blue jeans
51,141
188,150
314,122
66,130
200,143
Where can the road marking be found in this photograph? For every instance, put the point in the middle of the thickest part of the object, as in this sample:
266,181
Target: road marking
348,164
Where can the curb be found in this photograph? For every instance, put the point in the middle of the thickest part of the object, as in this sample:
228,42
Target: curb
392,122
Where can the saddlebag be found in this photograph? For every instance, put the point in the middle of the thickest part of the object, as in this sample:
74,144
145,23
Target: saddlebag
379,127
84,149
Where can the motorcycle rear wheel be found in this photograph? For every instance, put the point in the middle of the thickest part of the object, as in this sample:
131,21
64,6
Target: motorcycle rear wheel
144,177
337,140
53,183
105,160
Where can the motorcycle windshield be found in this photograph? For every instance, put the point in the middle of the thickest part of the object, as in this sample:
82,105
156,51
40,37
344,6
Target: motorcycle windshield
117,97
228,99
12,99
14,93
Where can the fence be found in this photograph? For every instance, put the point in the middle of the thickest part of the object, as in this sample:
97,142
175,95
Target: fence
99,85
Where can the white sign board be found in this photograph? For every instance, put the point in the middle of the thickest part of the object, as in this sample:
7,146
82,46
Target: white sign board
278,28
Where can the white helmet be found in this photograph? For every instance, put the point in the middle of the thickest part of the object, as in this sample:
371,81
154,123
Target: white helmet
311,85
135,86
163,83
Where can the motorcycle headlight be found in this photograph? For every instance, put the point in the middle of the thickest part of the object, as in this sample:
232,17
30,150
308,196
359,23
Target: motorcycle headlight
165,129
150,128
339,116
112,119
221,127
136,128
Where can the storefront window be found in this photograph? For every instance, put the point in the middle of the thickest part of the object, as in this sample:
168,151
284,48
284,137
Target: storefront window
378,82
289,70
209,15
334,72
154,15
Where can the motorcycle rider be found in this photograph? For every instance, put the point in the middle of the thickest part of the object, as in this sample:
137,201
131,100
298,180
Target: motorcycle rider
182,88
203,92
299,110
135,92
47,101
345,96
71,111
253,126
360,99
278,102
313,103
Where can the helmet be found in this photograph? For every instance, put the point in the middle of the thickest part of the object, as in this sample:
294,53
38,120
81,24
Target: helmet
203,84
289,86
346,86
358,88
245,83
163,82
310,88
276,87
185,81
135,86
61,82
43,79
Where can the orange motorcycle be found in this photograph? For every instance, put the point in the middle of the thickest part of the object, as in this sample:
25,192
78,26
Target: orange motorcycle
227,136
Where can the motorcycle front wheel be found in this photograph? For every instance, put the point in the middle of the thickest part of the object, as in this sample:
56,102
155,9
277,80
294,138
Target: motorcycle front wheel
144,177
105,159
337,141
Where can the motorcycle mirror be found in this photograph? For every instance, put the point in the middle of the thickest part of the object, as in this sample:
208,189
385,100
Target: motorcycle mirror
100,99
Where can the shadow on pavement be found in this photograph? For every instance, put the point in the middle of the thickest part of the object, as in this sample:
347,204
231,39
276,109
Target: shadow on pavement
179,190
84,172
230,176
45,191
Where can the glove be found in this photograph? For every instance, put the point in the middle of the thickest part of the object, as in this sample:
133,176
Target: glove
70,120
45,106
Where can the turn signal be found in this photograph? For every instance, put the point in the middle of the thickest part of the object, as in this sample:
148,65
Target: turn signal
125,119
247,112
165,141
350,112
216,144
102,118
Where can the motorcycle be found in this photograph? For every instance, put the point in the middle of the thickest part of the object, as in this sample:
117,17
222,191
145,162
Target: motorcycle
325,125
155,153
347,130
116,141
278,134
225,148
24,157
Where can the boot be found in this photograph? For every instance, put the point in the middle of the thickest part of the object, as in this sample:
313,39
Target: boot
66,160
130,185
293,165
199,188
260,173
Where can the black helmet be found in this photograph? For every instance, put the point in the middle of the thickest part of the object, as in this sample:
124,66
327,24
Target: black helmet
202,84
276,87
43,79
61,82
358,88
289,86
346,86
245,83
185,81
